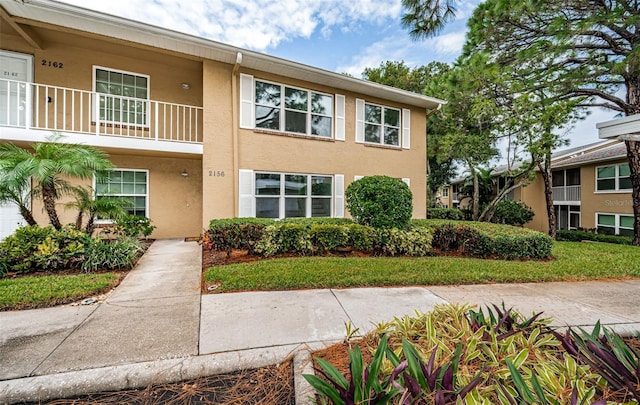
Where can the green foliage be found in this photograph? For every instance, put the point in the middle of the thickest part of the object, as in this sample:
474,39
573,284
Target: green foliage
134,226
486,240
284,238
326,238
396,242
578,236
510,212
445,213
234,233
118,254
318,221
362,238
380,202
34,248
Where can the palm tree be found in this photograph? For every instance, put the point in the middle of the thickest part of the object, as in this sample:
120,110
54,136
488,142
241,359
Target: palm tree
113,208
16,191
48,163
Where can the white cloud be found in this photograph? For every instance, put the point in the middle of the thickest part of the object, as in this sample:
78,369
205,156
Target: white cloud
254,24
448,44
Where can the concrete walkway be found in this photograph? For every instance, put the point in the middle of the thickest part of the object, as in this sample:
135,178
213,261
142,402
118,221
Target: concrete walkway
156,327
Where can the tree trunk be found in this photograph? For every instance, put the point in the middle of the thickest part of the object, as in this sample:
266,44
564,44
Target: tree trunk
26,214
90,224
545,170
49,199
633,154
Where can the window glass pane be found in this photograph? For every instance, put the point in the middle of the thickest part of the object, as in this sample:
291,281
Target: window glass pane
140,188
321,185
607,171
295,185
320,207
604,219
574,220
625,232
127,188
557,178
128,176
626,221
321,126
141,82
609,184
295,122
624,170
295,207
321,104
115,78
372,133
392,117
573,177
625,183
267,184
141,177
268,207
268,117
373,114
102,75
391,136
267,94
606,230
295,99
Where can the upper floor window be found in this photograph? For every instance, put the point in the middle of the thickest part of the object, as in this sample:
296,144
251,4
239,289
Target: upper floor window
289,109
123,96
381,125
613,178
130,185
568,177
445,191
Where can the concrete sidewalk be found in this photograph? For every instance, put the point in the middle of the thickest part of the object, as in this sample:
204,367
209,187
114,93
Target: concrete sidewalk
155,327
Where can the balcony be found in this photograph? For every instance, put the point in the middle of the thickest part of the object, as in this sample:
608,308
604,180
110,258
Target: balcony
566,193
108,119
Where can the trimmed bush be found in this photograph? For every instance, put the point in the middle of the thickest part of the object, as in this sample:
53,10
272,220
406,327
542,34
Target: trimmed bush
380,202
235,233
362,238
484,239
445,213
396,242
325,238
284,238
578,236
317,221
510,212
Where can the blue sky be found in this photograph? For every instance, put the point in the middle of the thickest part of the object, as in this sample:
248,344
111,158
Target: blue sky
337,35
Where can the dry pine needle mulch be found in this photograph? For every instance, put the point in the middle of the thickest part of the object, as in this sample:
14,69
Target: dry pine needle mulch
266,385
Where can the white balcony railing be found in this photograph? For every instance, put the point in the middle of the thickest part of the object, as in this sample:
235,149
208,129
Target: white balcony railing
53,108
566,193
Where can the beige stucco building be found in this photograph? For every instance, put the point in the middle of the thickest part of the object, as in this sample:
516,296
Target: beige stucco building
591,190
199,129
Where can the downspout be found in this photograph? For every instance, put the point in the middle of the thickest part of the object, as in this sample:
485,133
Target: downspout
429,114
235,124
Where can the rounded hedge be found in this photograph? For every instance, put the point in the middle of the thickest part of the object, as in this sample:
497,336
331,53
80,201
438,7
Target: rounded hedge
380,202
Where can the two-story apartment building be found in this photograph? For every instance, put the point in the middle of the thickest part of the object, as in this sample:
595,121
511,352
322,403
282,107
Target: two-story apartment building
199,129
591,190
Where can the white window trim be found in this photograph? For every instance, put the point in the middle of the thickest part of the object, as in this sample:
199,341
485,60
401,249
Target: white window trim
146,193
445,192
94,109
309,197
616,179
617,220
309,111
382,124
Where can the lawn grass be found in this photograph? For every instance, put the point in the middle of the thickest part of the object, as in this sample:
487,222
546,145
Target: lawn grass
572,261
39,291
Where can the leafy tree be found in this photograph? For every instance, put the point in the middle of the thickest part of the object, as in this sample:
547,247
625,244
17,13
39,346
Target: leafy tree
48,164
380,202
572,50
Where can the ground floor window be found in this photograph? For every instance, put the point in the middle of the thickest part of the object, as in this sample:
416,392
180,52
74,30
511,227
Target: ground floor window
615,224
132,185
283,195
567,216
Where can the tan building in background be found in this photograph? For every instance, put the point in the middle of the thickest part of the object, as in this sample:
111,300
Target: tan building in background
199,129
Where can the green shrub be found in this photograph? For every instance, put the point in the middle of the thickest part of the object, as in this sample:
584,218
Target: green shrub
235,233
380,202
396,242
284,238
510,212
326,237
362,238
445,213
484,239
34,248
318,221
113,254
135,226
578,236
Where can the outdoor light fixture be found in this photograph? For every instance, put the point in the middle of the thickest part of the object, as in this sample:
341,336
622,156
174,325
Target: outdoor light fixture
185,86
184,173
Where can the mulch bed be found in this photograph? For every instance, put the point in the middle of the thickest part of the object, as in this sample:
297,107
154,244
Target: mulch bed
267,385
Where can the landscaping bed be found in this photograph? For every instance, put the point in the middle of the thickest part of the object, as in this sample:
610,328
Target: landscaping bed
266,385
